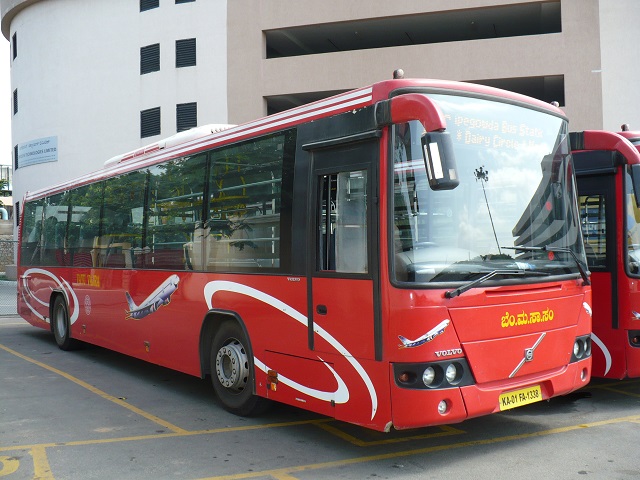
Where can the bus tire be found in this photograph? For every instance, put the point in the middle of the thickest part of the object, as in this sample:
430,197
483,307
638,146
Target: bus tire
60,324
232,372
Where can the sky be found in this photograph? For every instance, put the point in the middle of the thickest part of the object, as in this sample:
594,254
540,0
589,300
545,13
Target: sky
5,103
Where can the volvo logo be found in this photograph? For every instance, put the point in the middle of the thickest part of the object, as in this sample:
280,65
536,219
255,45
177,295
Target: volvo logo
528,355
448,353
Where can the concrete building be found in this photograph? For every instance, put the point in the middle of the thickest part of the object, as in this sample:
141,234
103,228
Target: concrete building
92,79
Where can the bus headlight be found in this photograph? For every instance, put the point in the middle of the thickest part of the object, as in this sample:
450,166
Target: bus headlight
451,373
428,376
436,375
581,348
577,349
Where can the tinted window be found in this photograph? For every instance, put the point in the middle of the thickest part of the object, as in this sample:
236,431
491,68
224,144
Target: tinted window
175,214
246,201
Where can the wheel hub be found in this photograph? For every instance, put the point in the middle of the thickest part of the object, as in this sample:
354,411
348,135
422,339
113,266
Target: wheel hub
231,366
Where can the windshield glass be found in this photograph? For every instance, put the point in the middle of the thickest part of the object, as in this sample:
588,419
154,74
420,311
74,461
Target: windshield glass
632,222
517,189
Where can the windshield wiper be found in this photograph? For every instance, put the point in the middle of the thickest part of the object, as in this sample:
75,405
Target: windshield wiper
482,279
546,248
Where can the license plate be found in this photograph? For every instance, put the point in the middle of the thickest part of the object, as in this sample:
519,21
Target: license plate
517,398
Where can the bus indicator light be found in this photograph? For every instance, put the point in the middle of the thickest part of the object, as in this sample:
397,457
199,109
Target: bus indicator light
272,380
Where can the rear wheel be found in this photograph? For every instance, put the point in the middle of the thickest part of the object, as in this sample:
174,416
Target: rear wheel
61,326
232,372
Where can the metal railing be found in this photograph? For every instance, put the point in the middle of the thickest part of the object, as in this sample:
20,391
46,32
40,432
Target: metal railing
8,287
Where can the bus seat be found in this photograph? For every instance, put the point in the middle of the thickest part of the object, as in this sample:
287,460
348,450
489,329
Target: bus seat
82,259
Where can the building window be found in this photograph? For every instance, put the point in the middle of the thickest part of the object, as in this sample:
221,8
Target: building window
186,116
150,122
186,52
148,4
150,58
14,45
15,101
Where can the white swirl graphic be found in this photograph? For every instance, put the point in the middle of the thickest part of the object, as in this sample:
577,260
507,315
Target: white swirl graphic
341,395
605,351
60,282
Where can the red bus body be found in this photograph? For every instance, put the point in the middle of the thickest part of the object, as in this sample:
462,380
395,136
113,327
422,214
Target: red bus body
604,164
352,346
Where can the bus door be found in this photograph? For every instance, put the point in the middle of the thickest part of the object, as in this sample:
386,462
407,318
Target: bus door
343,294
598,217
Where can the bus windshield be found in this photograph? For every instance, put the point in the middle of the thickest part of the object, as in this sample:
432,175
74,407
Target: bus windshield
514,210
632,221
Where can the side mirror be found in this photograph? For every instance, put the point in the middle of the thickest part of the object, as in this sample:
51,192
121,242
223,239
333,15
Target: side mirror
440,161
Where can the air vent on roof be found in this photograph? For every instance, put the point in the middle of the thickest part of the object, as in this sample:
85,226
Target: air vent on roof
177,139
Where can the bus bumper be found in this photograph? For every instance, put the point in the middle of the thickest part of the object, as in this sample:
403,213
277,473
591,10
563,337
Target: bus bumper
413,408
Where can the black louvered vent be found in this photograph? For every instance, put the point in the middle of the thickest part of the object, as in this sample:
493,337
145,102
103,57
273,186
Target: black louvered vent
150,58
16,214
149,4
184,1
185,52
186,116
14,45
15,157
15,101
150,122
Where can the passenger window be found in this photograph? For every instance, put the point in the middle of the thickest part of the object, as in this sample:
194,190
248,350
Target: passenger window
120,229
175,214
32,233
594,228
245,204
342,229
54,251
84,226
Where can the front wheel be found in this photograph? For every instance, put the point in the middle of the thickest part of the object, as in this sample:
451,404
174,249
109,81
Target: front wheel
232,371
61,326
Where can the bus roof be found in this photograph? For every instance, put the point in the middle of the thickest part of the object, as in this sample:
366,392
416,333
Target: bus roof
201,138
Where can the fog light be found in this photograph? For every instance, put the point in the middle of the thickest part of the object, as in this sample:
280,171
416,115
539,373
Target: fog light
428,376
443,407
584,375
451,373
587,347
577,349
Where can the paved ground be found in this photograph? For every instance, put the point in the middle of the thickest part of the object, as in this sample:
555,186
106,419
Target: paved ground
94,414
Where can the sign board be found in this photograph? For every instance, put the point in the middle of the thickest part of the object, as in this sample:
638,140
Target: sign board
41,150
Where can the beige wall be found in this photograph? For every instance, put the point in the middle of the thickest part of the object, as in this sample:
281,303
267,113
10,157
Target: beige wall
578,54
574,53
620,38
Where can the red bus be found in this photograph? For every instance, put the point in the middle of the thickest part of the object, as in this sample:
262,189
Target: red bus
608,172
401,255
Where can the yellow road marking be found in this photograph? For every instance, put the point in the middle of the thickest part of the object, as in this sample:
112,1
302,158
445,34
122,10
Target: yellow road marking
278,473
41,468
8,465
157,436
622,392
98,392
445,430
604,386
